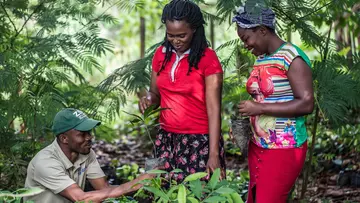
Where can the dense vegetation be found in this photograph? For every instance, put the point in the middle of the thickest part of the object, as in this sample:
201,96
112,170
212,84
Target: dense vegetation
53,54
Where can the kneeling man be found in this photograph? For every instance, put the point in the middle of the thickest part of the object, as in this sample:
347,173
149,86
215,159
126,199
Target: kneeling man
62,167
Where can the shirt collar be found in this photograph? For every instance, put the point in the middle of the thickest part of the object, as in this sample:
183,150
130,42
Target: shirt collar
173,50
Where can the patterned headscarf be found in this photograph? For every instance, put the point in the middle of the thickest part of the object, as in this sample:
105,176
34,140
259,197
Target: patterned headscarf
250,19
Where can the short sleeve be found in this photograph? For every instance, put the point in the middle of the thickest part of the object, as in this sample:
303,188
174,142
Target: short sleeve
157,59
212,63
51,174
94,170
291,52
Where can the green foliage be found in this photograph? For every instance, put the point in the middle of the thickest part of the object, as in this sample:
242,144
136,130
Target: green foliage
146,120
336,90
46,49
15,197
192,189
127,172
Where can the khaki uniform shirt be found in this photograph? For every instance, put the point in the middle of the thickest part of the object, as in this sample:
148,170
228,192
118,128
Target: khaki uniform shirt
51,170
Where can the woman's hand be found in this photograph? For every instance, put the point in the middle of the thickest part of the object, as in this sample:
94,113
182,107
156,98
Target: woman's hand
250,108
212,164
147,100
152,96
232,136
144,102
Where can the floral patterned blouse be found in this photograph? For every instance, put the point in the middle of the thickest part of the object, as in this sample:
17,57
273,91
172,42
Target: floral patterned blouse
268,83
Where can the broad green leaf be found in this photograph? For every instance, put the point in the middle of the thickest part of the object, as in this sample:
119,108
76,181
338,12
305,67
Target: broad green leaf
222,183
192,200
162,200
134,121
228,198
176,171
155,111
29,191
182,194
214,178
156,171
236,197
23,192
5,192
224,190
196,188
195,176
134,115
171,190
157,192
148,111
215,199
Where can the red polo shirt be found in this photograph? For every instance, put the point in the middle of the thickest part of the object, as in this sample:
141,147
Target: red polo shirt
184,94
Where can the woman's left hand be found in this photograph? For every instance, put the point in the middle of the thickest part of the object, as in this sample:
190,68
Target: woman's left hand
212,164
250,108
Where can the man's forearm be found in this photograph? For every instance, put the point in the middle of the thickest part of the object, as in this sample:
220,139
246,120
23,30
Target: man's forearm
128,187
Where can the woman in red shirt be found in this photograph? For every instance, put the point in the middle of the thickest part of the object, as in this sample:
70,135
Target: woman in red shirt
187,79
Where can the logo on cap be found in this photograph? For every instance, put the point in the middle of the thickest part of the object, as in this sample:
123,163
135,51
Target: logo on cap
79,114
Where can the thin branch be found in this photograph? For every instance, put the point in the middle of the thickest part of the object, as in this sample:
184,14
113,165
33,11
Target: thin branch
7,15
26,21
97,18
318,9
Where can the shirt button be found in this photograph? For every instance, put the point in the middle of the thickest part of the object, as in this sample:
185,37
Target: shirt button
257,167
261,151
259,160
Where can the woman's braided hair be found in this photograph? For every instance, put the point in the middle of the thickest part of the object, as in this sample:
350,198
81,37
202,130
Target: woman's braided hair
189,12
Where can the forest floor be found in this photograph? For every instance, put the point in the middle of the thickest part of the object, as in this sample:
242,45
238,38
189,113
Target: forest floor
323,187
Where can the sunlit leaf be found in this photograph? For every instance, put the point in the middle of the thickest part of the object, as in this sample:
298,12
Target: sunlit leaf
195,176
182,194
215,177
157,192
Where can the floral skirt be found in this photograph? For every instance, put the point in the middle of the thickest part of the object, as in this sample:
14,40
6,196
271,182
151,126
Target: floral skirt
188,152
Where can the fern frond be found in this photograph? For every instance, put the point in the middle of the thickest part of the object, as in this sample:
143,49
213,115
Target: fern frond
336,91
228,44
129,5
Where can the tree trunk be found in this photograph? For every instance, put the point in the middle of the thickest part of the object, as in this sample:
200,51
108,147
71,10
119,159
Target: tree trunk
212,33
289,36
142,37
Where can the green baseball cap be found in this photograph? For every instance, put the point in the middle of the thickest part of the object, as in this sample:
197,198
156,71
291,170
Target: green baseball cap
70,118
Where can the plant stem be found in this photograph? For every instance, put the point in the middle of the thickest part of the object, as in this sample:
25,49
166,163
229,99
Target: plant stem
26,21
148,133
8,16
207,197
316,10
307,170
